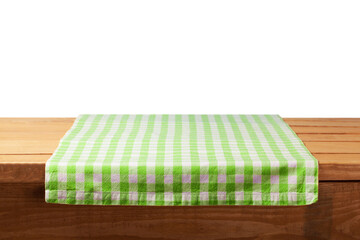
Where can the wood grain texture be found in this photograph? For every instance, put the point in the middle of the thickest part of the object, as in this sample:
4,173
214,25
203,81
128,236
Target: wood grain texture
22,173
19,158
26,144
25,215
323,122
39,136
329,137
35,125
323,119
326,130
338,167
333,147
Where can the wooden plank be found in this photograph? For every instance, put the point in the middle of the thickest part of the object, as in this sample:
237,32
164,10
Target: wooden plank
24,158
39,136
28,146
22,173
71,119
333,147
25,215
23,168
326,130
329,137
323,119
35,125
338,167
31,168
322,122
36,120
327,158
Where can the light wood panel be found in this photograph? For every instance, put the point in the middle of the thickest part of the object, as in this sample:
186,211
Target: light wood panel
24,215
35,125
329,137
5,120
326,130
333,147
28,146
322,119
337,158
30,136
325,122
24,158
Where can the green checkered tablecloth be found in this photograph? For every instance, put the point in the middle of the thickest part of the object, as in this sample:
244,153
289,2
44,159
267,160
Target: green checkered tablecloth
181,160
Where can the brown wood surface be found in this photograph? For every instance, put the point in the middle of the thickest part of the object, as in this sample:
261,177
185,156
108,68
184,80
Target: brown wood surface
322,137
31,141
327,122
325,130
25,215
26,144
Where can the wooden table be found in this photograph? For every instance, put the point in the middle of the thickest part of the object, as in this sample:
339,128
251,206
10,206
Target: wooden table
26,144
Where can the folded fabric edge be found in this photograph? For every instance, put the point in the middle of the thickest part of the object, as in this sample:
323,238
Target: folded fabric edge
189,199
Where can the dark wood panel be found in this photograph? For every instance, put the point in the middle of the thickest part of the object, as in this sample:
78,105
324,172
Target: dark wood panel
24,215
22,173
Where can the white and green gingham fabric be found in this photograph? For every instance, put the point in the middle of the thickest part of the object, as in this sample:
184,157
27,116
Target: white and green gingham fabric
181,160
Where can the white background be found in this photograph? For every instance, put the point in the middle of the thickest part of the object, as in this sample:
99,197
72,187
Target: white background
293,58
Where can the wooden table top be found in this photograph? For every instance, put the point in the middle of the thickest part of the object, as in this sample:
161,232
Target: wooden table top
27,143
